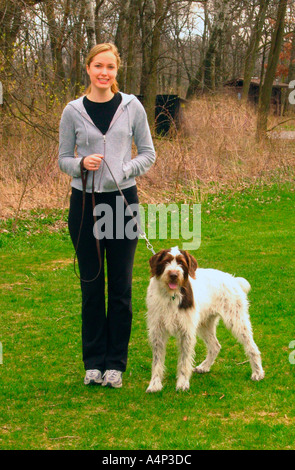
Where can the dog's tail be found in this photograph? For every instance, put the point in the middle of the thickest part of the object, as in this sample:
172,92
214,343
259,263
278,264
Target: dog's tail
244,284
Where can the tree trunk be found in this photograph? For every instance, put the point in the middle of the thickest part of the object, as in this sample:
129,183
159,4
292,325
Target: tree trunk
252,50
273,58
10,23
132,14
151,85
119,40
151,25
291,73
97,20
207,68
56,34
76,69
145,26
90,23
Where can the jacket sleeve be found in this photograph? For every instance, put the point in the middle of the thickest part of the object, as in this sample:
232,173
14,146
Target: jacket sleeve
143,140
67,160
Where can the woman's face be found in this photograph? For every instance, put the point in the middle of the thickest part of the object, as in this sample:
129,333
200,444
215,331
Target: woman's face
103,70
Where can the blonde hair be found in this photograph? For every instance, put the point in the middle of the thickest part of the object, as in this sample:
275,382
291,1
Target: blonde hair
107,46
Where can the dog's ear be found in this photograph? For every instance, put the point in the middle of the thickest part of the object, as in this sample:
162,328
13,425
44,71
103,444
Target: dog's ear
155,262
191,262
193,266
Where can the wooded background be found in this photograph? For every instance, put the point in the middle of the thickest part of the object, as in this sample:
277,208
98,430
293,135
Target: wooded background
167,47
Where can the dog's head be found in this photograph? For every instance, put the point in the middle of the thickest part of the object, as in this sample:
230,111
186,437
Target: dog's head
173,268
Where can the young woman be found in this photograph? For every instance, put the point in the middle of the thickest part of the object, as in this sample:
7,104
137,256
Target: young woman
101,125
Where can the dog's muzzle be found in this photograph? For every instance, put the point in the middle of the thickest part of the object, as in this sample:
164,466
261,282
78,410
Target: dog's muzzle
173,278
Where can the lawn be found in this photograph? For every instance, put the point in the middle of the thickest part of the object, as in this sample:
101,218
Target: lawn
44,404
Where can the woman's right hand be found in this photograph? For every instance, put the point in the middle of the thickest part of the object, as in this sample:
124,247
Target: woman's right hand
92,162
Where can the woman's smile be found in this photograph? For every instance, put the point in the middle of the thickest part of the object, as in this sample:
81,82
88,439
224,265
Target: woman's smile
103,80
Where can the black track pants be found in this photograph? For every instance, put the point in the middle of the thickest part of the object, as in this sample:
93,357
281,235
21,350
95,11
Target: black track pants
105,332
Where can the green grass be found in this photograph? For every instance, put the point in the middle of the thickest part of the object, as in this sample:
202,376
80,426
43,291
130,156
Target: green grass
44,404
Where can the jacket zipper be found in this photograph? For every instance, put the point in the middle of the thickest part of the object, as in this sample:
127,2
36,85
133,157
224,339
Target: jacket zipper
104,155
116,116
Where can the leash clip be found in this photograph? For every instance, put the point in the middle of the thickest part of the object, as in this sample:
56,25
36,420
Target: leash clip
148,243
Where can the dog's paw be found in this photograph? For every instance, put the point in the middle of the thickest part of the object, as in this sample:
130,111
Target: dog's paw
201,369
154,386
256,376
182,384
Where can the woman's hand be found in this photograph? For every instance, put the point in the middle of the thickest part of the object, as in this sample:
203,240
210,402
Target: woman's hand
92,162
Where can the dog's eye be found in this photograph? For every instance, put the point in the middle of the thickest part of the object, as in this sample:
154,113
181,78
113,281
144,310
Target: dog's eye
181,260
167,259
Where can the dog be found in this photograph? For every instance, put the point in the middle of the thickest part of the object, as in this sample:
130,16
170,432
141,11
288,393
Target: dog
186,301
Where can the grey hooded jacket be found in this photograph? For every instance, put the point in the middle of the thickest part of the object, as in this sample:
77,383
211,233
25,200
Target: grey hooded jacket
79,134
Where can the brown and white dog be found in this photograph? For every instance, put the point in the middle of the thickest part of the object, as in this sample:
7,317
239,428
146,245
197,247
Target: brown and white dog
186,301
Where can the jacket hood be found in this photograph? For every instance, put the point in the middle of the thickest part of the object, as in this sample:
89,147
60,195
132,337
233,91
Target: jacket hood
79,106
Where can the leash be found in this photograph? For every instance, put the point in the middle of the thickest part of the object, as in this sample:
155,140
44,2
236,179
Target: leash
142,234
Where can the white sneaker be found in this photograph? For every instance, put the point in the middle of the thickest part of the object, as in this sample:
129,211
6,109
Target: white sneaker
112,378
93,376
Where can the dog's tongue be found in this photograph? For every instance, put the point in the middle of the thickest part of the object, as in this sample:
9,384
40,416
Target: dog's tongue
172,286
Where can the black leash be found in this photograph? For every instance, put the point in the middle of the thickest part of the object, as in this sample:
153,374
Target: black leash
84,175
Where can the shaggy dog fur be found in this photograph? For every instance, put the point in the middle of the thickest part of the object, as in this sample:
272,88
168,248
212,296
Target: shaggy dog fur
186,302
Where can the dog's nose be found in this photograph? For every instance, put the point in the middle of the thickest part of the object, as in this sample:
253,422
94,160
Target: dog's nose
173,275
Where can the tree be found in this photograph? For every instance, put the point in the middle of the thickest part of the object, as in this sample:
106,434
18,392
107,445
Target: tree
130,55
57,34
78,13
150,92
207,67
90,23
273,58
252,51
